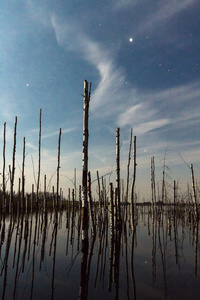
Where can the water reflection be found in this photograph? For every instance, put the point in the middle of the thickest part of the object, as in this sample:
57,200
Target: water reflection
150,253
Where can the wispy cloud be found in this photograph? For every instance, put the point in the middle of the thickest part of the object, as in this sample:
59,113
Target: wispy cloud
9,107
150,125
180,93
127,107
111,77
164,12
156,107
31,146
40,12
123,4
141,115
56,133
9,133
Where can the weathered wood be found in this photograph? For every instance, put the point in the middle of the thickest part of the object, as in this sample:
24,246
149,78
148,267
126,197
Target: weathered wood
23,176
133,183
128,165
58,168
39,158
118,210
91,205
75,184
85,154
12,173
79,191
194,194
4,166
45,196
99,190
32,197
134,169
153,188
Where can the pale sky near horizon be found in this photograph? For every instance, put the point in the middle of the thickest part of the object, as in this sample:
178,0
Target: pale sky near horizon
143,59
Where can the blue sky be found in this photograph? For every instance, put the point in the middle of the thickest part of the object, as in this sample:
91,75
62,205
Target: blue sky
143,59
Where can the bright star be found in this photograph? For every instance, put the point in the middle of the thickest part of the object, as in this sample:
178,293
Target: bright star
130,40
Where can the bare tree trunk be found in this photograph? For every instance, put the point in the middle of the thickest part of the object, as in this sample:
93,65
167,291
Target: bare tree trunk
58,168
4,165
153,189
32,197
53,195
111,258
128,166
118,174
99,190
194,194
75,184
39,159
134,162
80,204
164,196
85,154
23,177
12,174
134,177
91,205
45,196
19,195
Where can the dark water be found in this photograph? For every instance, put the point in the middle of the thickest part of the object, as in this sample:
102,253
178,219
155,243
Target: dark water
48,256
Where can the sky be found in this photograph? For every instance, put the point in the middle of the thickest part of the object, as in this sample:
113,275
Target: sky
143,59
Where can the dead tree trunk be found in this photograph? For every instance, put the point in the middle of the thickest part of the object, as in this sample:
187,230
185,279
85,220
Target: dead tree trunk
134,177
128,165
91,205
39,159
118,175
75,184
194,194
58,168
4,165
153,189
99,190
12,174
45,194
85,155
23,177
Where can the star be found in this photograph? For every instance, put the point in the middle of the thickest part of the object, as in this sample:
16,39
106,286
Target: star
130,40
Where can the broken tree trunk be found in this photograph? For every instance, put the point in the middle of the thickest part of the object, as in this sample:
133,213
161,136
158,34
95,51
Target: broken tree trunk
85,155
134,177
12,174
118,210
39,159
23,176
4,166
58,169
196,213
128,165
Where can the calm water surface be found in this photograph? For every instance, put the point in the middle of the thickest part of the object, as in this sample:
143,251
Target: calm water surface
48,256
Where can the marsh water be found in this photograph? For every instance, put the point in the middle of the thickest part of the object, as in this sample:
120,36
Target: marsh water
47,255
